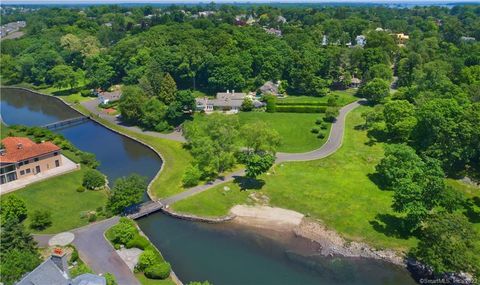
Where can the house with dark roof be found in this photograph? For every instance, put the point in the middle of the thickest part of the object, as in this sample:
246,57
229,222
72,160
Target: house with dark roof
20,157
270,88
54,271
226,101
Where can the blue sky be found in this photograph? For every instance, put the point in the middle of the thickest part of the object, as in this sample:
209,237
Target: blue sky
220,1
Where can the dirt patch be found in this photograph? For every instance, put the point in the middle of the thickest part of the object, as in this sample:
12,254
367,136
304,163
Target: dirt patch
266,217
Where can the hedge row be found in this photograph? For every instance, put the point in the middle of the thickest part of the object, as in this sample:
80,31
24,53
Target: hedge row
305,103
300,109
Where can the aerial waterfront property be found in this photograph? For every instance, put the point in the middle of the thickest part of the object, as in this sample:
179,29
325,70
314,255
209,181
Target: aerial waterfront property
305,143
21,158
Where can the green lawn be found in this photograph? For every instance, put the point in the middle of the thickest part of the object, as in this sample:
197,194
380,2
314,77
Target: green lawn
176,159
293,128
58,195
336,190
344,97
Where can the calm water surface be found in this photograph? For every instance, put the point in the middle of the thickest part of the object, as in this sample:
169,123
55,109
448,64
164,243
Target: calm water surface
223,254
118,155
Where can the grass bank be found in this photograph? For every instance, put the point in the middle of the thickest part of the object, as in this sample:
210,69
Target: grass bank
336,190
344,97
175,159
58,195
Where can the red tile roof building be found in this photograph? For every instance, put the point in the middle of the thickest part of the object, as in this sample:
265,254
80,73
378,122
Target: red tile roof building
21,157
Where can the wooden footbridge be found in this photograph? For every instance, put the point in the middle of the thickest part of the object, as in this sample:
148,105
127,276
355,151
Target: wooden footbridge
64,123
144,209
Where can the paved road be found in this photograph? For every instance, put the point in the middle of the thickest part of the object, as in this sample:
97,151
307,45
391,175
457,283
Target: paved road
91,106
97,252
334,142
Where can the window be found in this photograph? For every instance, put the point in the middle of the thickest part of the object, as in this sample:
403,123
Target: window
36,159
57,163
55,153
26,162
22,172
27,170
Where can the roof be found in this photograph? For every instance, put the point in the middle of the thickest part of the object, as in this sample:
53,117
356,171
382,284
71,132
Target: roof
89,279
230,96
46,273
269,87
19,148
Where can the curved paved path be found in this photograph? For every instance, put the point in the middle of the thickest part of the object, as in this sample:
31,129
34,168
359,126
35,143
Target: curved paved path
334,142
96,251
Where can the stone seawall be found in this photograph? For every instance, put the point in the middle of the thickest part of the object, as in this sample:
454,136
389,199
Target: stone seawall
195,218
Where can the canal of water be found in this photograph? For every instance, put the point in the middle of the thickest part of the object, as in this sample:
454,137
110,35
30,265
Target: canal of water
222,254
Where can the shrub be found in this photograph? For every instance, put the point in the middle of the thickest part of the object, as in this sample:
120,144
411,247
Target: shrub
89,159
315,130
41,220
74,257
80,189
323,127
320,135
86,93
138,241
331,114
300,109
158,271
319,121
12,207
247,105
93,179
270,100
147,259
123,232
92,217
192,176
110,278
162,126
302,103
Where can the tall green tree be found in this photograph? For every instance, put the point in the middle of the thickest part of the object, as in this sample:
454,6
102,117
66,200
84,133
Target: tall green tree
126,192
375,91
168,89
400,119
448,243
63,76
131,104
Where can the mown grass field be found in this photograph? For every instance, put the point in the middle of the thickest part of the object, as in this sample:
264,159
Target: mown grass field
336,190
344,97
58,195
293,128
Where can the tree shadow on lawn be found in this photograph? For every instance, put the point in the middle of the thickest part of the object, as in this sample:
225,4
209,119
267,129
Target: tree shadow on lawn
377,179
246,183
391,226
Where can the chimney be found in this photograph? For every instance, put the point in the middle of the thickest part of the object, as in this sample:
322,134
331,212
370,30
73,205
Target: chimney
19,146
59,257
233,91
228,91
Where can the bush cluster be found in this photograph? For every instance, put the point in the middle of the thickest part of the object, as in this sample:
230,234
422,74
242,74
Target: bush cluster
93,179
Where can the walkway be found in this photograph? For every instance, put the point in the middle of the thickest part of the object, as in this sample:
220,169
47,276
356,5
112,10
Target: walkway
91,106
67,166
334,142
